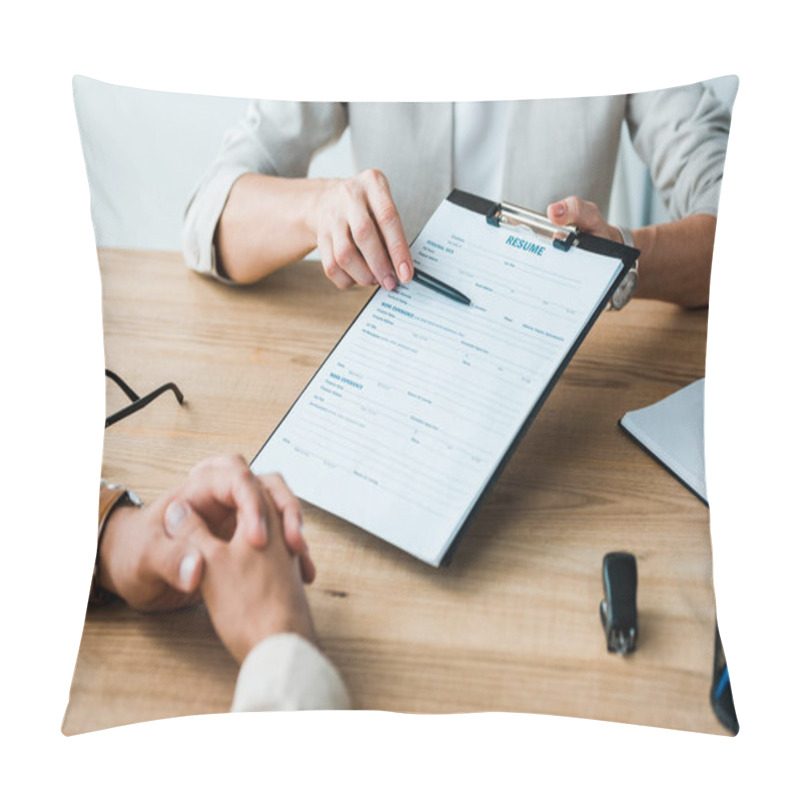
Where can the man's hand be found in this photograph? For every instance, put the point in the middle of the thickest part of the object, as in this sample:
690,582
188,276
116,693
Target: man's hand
359,233
151,571
226,494
142,565
250,594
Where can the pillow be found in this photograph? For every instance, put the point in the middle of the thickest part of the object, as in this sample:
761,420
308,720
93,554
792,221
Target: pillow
202,367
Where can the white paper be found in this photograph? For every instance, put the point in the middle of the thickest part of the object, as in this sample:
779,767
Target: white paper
408,418
672,430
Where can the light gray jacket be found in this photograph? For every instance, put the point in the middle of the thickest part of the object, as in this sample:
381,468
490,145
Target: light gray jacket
555,148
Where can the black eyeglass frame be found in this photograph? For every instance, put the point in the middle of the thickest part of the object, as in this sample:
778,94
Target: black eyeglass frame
138,402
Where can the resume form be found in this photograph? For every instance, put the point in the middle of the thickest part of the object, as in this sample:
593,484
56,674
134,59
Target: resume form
410,417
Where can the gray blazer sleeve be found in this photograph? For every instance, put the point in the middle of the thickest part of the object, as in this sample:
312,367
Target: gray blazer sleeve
274,138
682,135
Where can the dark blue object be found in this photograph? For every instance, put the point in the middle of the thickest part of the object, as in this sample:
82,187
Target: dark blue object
721,692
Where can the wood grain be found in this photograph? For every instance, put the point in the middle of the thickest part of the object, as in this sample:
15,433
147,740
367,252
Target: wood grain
512,624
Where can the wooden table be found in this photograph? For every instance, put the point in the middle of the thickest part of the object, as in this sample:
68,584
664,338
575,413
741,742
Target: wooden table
512,624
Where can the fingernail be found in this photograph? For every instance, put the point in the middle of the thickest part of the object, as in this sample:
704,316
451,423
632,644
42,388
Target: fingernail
404,271
559,209
187,569
389,283
174,516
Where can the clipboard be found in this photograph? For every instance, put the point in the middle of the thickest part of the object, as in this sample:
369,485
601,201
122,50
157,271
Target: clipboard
391,359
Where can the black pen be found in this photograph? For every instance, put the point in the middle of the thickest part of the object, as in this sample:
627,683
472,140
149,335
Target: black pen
441,287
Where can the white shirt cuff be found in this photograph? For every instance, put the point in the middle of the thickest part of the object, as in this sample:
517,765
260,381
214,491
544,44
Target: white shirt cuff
286,672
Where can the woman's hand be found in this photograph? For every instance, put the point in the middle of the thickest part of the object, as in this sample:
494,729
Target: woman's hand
359,233
585,215
675,260
269,222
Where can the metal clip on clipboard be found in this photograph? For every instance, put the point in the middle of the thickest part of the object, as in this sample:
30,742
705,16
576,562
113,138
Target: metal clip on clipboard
509,215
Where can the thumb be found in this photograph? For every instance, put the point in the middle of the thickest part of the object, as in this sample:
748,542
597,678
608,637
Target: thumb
177,557
566,212
584,214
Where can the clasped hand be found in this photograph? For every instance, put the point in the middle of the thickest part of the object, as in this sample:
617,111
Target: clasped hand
225,535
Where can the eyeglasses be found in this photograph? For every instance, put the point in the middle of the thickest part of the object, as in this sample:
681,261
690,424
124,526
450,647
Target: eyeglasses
136,401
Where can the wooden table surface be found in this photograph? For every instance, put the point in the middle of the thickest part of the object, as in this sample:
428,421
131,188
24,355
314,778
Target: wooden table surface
513,623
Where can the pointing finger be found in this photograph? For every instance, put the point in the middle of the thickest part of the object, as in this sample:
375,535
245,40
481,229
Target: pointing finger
388,220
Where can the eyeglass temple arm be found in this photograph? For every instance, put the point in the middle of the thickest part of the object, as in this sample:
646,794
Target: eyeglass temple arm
139,402
122,385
